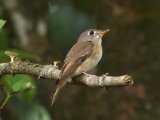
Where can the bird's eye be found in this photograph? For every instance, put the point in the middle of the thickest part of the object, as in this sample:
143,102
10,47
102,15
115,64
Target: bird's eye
91,32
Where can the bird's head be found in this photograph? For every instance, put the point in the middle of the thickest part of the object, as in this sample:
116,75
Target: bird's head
92,35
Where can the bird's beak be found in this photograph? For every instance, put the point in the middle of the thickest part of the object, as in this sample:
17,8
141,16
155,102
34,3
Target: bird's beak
104,32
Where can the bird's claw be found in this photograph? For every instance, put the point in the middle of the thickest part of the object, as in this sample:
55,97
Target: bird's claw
89,75
106,74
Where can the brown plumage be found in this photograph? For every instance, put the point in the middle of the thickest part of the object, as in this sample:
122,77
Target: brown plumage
82,57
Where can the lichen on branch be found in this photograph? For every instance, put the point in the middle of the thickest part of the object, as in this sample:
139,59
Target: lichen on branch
52,72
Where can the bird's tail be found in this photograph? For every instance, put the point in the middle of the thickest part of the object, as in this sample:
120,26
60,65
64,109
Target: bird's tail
55,95
60,85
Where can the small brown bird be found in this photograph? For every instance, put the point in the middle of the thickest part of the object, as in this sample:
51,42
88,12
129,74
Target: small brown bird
82,57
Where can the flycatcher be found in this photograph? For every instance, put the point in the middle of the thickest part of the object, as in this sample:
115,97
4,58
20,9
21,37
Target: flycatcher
82,57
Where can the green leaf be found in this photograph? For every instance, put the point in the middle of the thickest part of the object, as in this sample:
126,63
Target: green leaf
2,22
16,85
7,86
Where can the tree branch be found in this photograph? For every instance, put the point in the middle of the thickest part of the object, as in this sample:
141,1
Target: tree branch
52,72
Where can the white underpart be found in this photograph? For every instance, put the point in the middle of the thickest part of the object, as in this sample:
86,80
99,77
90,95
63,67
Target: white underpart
99,38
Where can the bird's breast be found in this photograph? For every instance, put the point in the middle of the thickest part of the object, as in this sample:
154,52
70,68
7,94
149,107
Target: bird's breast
91,61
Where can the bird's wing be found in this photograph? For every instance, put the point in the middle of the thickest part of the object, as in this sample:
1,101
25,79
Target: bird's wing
75,57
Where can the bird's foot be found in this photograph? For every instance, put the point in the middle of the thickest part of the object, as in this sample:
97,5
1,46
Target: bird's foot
103,77
89,75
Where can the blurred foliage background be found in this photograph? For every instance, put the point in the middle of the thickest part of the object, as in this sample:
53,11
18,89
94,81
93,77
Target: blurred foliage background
43,31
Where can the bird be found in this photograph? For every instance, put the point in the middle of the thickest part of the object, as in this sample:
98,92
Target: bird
81,58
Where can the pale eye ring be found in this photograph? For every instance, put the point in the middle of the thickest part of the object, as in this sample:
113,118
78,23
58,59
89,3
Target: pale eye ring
91,33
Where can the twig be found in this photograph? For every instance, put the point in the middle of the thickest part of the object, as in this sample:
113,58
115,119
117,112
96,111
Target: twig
52,72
